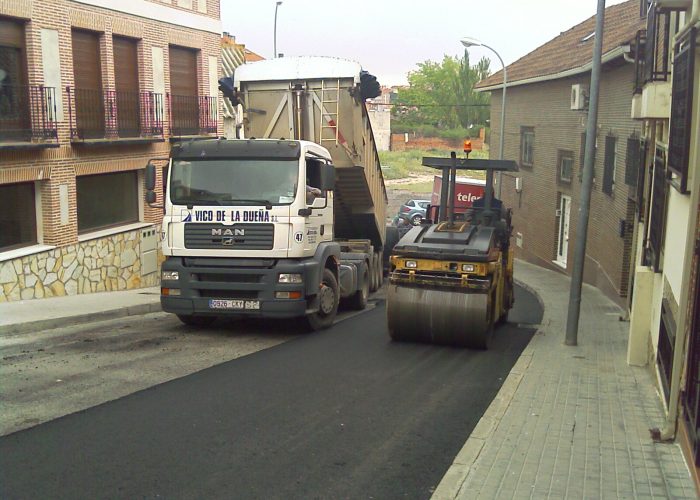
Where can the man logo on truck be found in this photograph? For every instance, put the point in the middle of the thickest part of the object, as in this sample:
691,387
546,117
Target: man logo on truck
227,232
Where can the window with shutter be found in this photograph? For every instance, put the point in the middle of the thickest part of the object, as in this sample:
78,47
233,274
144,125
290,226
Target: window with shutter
632,163
87,75
682,110
184,102
610,161
126,83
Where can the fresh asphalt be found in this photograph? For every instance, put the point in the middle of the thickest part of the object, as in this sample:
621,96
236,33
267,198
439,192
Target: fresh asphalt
344,413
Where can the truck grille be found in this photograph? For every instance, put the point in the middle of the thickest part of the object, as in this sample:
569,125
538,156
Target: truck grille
236,237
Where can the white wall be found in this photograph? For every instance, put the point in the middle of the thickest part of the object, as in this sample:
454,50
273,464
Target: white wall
51,63
381,128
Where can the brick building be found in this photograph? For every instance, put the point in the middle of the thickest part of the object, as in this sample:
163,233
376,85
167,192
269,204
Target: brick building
665,312
90,90
546,115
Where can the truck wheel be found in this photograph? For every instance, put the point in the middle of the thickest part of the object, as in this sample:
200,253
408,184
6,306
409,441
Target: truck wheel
373,278
380,269
328,299
359,300
191,320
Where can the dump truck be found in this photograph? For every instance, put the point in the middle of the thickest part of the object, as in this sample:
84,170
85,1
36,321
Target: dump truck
286,220
452,277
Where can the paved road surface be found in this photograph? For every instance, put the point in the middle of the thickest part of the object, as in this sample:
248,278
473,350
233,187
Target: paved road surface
345,413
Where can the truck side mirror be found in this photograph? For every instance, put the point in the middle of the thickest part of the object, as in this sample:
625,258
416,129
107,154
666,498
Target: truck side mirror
327,177
150,177
150,197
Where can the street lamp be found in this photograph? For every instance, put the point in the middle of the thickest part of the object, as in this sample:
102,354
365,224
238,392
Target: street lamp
274,56
472,42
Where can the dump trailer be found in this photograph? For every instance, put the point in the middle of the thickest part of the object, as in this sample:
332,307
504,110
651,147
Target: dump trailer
288,219
452,277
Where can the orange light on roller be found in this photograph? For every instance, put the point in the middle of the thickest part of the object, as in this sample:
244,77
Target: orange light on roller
467,146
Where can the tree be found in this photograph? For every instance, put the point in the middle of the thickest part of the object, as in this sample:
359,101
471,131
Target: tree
442,95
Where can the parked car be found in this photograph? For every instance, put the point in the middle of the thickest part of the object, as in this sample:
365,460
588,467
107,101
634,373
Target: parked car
414,210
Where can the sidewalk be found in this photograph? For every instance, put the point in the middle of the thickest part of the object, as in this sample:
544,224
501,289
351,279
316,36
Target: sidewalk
37,314
570,422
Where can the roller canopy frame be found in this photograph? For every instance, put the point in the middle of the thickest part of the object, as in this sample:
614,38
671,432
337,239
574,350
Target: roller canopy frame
467,164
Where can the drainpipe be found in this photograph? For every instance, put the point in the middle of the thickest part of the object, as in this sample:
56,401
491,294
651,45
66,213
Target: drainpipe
684,317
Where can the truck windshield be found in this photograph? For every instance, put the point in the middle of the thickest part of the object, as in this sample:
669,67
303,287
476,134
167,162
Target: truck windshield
234,182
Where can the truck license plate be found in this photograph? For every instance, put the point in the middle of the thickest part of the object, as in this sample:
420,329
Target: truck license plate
233,304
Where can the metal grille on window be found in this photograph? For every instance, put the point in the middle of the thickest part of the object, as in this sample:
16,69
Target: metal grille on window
632,163
609,172
657,218
681,110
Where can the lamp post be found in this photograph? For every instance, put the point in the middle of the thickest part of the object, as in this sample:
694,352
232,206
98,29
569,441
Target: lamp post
471,42
277,5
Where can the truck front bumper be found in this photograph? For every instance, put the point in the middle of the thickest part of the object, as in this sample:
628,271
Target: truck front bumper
206,282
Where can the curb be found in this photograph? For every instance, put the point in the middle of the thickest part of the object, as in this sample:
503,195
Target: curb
457,474
49,324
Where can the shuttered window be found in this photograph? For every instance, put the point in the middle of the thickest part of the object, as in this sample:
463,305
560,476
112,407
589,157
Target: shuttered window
634,150
88,95
183,71
184,102
610,164
126,82
107,200
17,216
87,68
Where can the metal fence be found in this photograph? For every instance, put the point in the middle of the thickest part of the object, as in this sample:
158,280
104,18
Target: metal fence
112,114
192,115
27,113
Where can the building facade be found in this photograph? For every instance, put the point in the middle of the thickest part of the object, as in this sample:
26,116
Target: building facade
546,117
90,91
665,309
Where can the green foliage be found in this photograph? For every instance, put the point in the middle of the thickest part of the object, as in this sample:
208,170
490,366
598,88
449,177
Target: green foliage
402,164
441,95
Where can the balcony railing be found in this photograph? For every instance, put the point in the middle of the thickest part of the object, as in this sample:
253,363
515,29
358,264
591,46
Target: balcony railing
27,113
192,115
656,53
111,114
640,41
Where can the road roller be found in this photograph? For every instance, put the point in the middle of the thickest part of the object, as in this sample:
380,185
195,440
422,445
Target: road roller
451,277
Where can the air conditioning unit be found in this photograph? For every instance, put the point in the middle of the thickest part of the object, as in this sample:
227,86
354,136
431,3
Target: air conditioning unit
579,96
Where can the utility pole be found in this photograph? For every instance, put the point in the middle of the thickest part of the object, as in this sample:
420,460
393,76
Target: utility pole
572,318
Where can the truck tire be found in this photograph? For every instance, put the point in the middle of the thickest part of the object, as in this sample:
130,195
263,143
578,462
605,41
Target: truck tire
373,278
359,300
329,297
379,269
191,320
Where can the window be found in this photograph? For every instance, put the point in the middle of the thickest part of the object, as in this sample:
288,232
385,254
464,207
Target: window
681,111
14,108
107,200
657,207
634,153
17,216
582,157
565,165
610,164
527,144
89,99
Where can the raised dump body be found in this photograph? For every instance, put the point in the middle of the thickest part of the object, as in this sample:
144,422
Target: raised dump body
318,99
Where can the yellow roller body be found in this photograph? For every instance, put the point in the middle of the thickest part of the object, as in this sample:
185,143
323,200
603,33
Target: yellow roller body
439,316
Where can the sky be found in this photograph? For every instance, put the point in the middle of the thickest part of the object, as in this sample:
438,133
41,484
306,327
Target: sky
390,37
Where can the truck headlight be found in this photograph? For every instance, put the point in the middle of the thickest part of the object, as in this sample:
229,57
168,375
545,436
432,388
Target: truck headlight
468,268
411,264
170,275
290,278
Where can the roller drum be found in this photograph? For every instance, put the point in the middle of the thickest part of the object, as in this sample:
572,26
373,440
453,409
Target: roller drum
439,317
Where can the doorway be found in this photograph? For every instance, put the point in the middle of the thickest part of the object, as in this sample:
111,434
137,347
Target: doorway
563,233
